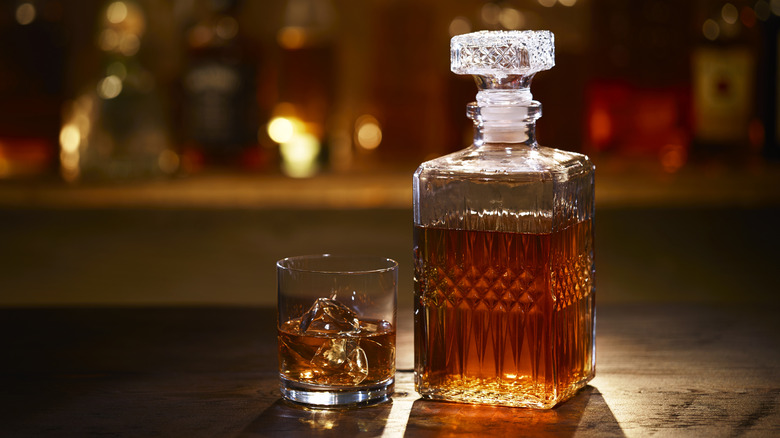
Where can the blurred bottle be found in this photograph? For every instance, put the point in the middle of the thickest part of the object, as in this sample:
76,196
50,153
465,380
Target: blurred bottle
305,85
33,47
219,116
768,19
637,101
724,79
118,128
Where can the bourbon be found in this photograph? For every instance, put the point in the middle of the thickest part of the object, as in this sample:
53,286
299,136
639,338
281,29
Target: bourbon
365,358
503,318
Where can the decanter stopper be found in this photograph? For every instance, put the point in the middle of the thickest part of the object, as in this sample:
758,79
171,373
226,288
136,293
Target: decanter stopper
503,62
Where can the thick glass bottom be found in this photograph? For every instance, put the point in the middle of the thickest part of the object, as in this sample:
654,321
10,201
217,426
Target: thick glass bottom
329,396
478,391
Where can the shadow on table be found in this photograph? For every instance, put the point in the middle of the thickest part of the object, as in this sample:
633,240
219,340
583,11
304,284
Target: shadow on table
284,418
586,414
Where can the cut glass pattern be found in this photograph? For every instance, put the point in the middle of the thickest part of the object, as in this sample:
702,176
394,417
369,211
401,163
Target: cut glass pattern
500,54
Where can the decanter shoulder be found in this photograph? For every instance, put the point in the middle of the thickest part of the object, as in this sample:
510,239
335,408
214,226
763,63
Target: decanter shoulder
507,161
567,163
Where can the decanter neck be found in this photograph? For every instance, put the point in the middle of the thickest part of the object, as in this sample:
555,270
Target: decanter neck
505,123
503,90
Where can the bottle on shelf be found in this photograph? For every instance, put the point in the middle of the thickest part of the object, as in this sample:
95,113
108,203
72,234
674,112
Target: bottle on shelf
117,128
219,115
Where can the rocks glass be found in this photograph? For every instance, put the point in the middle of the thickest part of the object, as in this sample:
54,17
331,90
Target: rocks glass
336,328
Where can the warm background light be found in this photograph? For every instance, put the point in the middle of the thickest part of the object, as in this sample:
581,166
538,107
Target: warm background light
225,84
368,134
116,12
281,129
299,155
109,87
25,13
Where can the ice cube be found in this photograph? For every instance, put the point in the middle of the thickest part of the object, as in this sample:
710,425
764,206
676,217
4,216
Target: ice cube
341,361
333,353
357,366
328,316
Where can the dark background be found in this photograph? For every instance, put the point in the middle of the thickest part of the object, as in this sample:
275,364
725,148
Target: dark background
177,197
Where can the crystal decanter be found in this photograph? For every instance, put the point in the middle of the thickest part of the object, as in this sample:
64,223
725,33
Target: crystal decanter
503,244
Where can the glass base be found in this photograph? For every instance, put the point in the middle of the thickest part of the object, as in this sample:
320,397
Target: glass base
323,396
517,396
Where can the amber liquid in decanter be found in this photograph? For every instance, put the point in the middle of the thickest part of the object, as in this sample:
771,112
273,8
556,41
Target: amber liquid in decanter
496,323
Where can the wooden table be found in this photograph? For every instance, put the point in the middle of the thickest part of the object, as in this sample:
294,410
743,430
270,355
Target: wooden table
662,369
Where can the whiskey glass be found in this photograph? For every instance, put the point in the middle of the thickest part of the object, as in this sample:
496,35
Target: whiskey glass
336,329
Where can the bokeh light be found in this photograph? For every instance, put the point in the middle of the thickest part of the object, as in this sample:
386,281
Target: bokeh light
600,127
116,12
129,44
729,13
299,155
281,129
168,161
109,87
108,40
368,134
291,37
511,18
672,157
25,13
490,13
710,29
70,137
459,26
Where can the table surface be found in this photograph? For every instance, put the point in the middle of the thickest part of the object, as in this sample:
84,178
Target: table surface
662,369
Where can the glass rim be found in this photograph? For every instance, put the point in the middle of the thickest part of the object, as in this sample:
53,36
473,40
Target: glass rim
390,264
